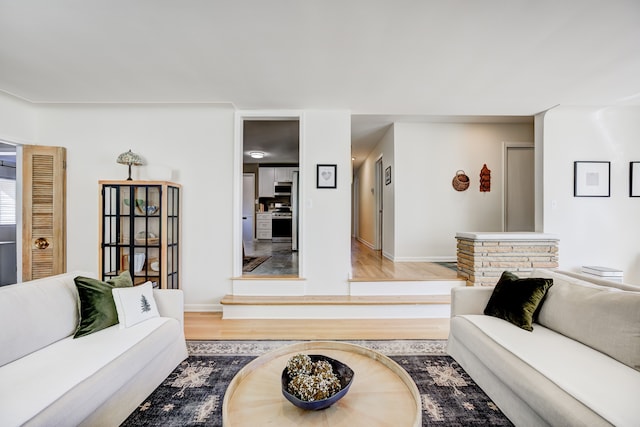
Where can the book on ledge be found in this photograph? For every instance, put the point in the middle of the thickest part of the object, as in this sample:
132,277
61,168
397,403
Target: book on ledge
602,271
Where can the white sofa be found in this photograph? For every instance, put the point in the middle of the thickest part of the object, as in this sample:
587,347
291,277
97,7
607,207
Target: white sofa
580,366
48,378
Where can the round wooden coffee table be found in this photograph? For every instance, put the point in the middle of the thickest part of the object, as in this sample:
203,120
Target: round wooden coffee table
382,393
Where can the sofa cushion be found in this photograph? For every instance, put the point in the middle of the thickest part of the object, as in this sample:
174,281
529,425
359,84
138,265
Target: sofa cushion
135,304
37,313
606,319
516,300
96,305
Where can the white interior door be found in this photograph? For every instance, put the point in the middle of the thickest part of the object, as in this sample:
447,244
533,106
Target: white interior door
519,192
248,206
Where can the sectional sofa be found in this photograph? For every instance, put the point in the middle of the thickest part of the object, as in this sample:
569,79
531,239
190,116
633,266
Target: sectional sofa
579,366
50,378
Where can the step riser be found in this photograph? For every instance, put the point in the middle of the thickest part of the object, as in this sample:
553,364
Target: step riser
344,311
404,288
268,288
379,288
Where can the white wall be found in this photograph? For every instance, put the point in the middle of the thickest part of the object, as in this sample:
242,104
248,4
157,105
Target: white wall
593,230
194,141
194,145
326,226
428,211
17,120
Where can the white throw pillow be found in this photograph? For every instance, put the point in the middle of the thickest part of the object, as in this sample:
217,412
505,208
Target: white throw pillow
135,304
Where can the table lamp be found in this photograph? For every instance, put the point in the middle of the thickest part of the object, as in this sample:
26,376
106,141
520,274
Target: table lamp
129,158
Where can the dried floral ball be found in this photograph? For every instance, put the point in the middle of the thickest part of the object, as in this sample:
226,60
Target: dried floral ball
322,367
311,381
314,387
299,364
331,382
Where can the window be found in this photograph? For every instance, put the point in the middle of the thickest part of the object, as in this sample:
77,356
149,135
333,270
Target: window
7,201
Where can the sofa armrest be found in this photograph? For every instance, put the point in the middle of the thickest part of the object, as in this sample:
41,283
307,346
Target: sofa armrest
170,303
470,299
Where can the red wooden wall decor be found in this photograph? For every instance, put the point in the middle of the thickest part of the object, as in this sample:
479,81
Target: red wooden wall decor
485,179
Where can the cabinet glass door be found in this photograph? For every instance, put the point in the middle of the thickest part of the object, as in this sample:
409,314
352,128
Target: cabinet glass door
173,238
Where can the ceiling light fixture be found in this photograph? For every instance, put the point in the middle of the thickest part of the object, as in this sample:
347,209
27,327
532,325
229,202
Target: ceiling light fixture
256,154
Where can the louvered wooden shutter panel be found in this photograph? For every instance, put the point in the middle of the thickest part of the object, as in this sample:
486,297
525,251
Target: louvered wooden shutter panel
44,231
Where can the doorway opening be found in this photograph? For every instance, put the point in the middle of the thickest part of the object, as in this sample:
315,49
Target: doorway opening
270,153
8,215
519,187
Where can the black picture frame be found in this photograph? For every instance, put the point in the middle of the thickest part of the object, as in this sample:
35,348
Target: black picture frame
591,179
326,176
387,175
634,179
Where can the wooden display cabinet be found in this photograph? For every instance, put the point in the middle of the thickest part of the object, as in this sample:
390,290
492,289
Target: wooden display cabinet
140,231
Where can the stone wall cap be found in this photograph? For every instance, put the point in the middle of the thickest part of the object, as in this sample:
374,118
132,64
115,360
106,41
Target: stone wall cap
505,236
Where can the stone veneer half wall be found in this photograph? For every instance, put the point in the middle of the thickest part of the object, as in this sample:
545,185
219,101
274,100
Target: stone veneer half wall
482,257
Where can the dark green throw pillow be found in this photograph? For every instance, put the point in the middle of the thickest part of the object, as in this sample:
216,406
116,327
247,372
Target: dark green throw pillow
517,300
97,308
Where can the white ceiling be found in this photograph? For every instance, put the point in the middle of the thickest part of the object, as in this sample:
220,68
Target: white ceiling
378,59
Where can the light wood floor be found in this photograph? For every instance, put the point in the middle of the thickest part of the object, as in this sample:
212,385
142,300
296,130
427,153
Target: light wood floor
370,265
367,265
211,326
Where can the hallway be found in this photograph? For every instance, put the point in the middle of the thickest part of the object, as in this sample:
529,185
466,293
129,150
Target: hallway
366,264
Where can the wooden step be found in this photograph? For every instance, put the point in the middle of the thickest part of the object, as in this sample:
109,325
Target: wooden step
336,307
335,300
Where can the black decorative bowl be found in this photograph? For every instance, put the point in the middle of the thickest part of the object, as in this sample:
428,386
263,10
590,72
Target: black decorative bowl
342,371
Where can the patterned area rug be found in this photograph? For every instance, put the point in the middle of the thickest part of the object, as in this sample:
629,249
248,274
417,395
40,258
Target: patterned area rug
250,263
192,395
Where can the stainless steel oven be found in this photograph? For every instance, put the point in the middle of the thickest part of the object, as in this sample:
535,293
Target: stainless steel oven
281,223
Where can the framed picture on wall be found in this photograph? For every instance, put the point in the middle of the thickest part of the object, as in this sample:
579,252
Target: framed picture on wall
387,175
591,179
634,179
326,176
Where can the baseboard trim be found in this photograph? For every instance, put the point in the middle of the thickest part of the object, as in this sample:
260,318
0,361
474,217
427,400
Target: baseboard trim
205,308
426,259
367,244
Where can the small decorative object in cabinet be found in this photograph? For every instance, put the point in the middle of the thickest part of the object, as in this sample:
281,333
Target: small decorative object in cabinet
140,231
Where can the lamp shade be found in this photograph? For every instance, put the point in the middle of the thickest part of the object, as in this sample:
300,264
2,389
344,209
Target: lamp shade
129,158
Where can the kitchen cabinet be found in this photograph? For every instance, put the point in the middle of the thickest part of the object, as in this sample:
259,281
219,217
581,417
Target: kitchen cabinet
140,231
284,174
263,226
266,178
